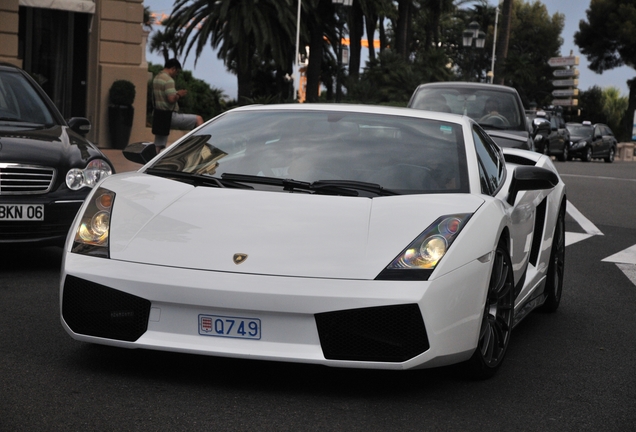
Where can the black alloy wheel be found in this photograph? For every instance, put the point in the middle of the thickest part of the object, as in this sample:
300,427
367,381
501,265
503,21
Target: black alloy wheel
556,268
496,326
587,154
610,155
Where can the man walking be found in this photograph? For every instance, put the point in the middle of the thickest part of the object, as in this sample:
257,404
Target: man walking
166,114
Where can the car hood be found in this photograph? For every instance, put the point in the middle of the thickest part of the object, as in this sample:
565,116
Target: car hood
55,147
511,139
575,138
164,222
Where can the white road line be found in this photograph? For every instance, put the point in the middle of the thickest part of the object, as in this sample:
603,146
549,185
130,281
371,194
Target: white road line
584,222
598,177
629,270
627,256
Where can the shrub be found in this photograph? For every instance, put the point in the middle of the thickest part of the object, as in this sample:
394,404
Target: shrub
122,92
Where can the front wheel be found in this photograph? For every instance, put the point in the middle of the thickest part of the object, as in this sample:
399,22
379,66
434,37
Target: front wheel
610,155
497,321
587,154
556,268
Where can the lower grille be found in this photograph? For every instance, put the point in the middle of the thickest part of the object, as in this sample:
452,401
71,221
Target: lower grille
95,310
383,334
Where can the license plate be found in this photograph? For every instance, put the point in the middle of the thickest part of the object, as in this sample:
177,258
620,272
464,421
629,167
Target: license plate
231,327
21,212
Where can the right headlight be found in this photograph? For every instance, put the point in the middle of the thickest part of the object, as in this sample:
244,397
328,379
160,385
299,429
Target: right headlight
93,233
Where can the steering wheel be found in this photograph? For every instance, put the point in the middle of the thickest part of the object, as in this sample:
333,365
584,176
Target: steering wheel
495,120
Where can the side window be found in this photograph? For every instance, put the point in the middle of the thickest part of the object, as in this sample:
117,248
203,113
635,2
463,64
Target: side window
491,164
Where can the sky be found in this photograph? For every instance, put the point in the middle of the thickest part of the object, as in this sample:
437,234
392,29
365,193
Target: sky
211,70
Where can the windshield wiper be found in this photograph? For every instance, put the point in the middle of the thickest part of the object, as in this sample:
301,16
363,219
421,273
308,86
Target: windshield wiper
327,187
285,183
198,179
353,186
492,126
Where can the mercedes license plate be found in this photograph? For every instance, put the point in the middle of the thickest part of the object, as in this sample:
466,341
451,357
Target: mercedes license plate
21,212
231,327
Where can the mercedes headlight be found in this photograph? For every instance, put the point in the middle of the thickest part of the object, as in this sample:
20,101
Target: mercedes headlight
97,169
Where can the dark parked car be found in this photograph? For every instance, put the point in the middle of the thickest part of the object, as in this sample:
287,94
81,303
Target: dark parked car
47,167
550,135
588,141
498,109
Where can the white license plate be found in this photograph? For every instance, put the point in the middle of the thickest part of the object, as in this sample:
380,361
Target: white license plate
21,212
231,327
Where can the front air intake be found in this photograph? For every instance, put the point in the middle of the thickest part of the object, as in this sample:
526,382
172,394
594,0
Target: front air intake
376,334
96,310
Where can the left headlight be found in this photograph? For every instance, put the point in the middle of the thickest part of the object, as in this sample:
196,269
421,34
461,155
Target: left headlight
92,235
97,169
419,259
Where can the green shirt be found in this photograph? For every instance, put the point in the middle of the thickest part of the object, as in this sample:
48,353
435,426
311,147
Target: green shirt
163,86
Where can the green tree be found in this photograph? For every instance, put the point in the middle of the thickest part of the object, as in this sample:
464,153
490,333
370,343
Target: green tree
534,39
613,106
239,30
607,40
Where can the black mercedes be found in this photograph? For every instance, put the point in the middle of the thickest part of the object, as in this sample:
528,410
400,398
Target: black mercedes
47,166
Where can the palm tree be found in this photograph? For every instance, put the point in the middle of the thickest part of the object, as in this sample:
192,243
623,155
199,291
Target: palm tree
166,42
239,30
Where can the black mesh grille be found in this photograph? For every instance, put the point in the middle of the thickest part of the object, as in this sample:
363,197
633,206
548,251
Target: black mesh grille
96,310
384,334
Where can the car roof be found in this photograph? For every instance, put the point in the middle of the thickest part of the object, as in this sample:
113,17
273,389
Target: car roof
362,109
463,84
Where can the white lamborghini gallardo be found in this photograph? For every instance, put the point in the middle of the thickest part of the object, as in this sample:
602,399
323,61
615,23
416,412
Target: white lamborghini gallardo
349,236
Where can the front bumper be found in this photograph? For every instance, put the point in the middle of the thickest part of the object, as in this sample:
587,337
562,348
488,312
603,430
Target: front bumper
58,217
345,323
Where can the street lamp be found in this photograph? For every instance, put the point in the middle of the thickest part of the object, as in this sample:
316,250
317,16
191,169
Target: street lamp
473,33
339,4
296,53
491,73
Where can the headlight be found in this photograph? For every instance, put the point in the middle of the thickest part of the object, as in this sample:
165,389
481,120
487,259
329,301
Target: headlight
579,144
425,252
92,235
96,170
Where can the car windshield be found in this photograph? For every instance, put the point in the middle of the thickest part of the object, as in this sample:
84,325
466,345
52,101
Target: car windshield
490,108
580,130
20,104
348,150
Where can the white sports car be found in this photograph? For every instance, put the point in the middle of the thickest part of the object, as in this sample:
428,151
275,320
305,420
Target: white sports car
349,236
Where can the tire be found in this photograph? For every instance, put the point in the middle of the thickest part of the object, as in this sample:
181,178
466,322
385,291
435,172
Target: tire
610,155
565,155
556,268
587,155
496,325
546,149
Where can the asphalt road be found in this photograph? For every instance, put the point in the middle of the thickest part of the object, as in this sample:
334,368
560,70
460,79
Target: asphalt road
574,370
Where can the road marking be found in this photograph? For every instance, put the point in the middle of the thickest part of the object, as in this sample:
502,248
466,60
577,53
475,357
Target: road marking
629,270
626,261
587,225
597,177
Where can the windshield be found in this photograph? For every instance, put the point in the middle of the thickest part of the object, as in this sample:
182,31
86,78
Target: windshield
403,154
580,130
20,103
490,108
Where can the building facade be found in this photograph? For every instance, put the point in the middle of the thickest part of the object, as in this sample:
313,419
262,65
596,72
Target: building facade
76,49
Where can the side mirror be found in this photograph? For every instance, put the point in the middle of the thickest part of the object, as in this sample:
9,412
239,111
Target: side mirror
140,152
530,178
79,125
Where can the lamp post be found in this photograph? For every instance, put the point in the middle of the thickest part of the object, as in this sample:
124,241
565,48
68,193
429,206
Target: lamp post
339,4
473,33
491,73
296,53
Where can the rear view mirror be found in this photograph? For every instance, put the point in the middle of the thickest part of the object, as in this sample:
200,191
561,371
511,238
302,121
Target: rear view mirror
140,152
